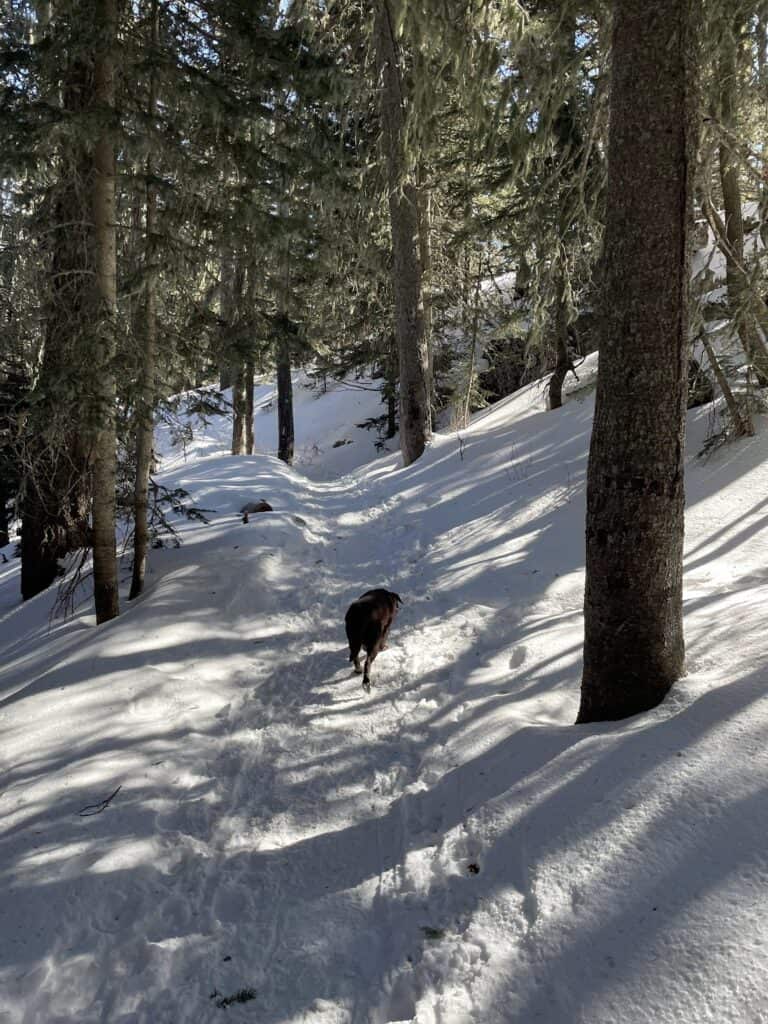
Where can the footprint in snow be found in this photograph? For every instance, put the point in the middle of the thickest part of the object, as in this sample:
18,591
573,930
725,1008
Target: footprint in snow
519,655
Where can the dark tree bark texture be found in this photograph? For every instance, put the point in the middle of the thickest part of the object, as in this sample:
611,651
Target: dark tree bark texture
415,412
145,404
56,485
239,410
284,401
633,648
105,582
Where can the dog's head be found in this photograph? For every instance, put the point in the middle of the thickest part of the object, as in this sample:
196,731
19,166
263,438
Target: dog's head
396,598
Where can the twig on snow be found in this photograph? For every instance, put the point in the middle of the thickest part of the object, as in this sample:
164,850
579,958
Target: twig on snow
91,809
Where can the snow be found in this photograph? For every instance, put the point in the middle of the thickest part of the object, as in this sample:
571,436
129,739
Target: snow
331,438
449,849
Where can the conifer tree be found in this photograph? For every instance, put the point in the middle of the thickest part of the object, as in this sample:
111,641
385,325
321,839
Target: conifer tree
633,647
415,389
55,492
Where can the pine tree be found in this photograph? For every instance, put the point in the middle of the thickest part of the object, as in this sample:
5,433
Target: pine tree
55,490
634,648
415,389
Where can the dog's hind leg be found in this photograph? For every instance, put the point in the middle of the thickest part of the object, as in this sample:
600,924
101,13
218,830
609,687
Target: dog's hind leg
354,656
373,651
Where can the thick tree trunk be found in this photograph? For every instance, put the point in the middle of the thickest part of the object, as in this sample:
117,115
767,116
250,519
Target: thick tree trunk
145,404
415,414
284,399
633,646
104,218
285,428
39,550
55,491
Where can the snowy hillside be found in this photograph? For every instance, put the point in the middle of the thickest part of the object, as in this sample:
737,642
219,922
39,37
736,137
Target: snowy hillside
205,818
334,427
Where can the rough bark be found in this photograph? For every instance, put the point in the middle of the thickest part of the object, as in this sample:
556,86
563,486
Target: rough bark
285,430
633,647
145,404
415,414
284,331
55,491
104,218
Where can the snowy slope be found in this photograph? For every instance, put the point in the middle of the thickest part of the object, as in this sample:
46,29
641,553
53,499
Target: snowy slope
449,849
331,435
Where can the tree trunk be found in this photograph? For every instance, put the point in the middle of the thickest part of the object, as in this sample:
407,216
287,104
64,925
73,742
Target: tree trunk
236,355
563,363
390,388
633,645
523,277
226,308
104,218
415,414
284,398
239,410
4,498
55,490
145,404
250,372
465,406
425,257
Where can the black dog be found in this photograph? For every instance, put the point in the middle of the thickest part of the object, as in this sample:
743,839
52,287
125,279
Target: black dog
368,620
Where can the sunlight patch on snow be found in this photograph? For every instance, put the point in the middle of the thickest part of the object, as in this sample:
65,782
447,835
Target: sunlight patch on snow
126,855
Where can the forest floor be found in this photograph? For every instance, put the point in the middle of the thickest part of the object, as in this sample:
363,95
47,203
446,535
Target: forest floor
204,817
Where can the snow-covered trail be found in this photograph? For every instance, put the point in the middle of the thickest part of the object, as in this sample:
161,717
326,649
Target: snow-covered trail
449,849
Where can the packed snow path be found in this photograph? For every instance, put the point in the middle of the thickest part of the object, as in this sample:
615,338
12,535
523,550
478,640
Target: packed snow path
449,849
